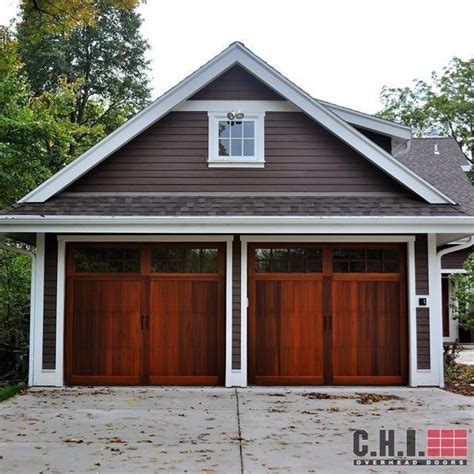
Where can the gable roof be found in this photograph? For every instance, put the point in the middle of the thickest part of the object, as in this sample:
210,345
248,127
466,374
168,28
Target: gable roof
237,53
442,169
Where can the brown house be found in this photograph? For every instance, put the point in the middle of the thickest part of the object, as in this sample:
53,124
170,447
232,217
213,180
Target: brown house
238,231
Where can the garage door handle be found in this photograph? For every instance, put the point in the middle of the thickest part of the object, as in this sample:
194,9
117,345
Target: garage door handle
144,321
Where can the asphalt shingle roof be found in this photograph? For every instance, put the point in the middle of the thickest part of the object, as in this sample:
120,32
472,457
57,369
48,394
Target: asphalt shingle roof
281,205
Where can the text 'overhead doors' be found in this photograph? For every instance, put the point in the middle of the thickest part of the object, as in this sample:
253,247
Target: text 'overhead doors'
327,314
145,314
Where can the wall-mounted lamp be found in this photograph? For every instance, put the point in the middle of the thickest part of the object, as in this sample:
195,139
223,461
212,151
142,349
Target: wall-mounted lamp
236,114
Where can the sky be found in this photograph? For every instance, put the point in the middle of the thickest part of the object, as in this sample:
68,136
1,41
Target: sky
342,51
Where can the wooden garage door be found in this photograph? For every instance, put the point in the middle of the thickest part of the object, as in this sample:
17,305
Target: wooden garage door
327,314
145,314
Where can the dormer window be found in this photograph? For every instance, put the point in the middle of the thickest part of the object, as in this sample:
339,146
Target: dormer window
236,141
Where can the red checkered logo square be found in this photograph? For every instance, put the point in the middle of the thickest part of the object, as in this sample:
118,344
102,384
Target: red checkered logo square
446,443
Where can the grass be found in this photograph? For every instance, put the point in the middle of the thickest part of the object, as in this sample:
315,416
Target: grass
9,391
459,379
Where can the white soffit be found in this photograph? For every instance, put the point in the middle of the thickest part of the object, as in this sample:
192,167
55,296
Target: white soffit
236,53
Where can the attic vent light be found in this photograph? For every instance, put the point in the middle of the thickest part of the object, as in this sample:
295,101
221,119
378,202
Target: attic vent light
436,151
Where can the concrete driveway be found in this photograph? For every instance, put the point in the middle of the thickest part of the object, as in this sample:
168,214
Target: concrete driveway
214,429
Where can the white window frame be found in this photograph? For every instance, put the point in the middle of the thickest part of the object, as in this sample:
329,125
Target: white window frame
216,161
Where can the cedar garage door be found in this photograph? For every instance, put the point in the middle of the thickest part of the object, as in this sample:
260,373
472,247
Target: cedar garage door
327,314
145,314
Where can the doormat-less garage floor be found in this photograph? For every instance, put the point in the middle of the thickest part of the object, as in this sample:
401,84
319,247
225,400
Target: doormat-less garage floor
213,429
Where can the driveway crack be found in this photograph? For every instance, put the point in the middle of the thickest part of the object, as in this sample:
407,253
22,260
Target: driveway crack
239,430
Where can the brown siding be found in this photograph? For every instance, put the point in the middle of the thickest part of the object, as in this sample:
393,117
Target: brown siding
236,84
421,264
236,290
49,317
301,156
455,260
423,338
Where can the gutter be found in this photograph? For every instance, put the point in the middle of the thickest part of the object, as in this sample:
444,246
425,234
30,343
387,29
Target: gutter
31,254
440,255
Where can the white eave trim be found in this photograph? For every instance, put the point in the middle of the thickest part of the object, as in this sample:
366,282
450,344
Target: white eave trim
370,122
238,224
237,54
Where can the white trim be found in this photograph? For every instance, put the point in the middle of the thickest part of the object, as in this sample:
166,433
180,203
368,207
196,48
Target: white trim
144,238
329,238
243,313
60,311
258,160
57,376
246,106
466,168
370,122
354,117
31,358
452,271
412,304
411,285
237,54
228,314
239,224
436,317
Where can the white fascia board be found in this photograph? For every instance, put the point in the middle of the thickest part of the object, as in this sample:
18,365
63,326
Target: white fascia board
238,224
237,54
359,119
370,122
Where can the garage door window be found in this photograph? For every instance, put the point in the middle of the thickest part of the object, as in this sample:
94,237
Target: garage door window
184,260
102,260
366,260
288,260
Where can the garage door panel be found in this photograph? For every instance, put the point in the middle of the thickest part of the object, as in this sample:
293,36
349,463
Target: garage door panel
106,331
184,330
288,331
366,330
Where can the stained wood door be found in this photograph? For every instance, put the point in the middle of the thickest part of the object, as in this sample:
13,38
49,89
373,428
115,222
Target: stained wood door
340,322
285,316
145,314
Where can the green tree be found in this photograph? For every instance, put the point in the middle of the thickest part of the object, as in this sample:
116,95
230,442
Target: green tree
104,62
445,104
462,302
63,15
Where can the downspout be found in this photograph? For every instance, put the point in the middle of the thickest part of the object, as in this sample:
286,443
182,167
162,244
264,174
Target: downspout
440,255
31,254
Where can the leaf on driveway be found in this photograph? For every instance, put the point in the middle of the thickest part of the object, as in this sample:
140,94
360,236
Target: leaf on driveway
73,440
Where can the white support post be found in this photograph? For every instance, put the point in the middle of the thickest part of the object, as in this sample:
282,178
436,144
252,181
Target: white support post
436,320
228,312
60,299
412,314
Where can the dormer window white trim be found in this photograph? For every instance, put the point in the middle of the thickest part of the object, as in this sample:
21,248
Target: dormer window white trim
236,143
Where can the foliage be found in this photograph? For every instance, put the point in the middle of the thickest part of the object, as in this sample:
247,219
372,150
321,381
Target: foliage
9,391
451,351
462,302
14,298
103,65
63,15
444,105
459,379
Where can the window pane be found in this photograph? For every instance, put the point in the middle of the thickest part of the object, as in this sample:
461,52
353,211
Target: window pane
224,147
236,129
113,260
288,260
263,266
340,266
391,266
184,260
249,129
369,260
357,266
374,266
224,129
249,148
236,147
297,260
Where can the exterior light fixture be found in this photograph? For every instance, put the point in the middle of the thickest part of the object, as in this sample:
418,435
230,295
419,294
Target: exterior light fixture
236,114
